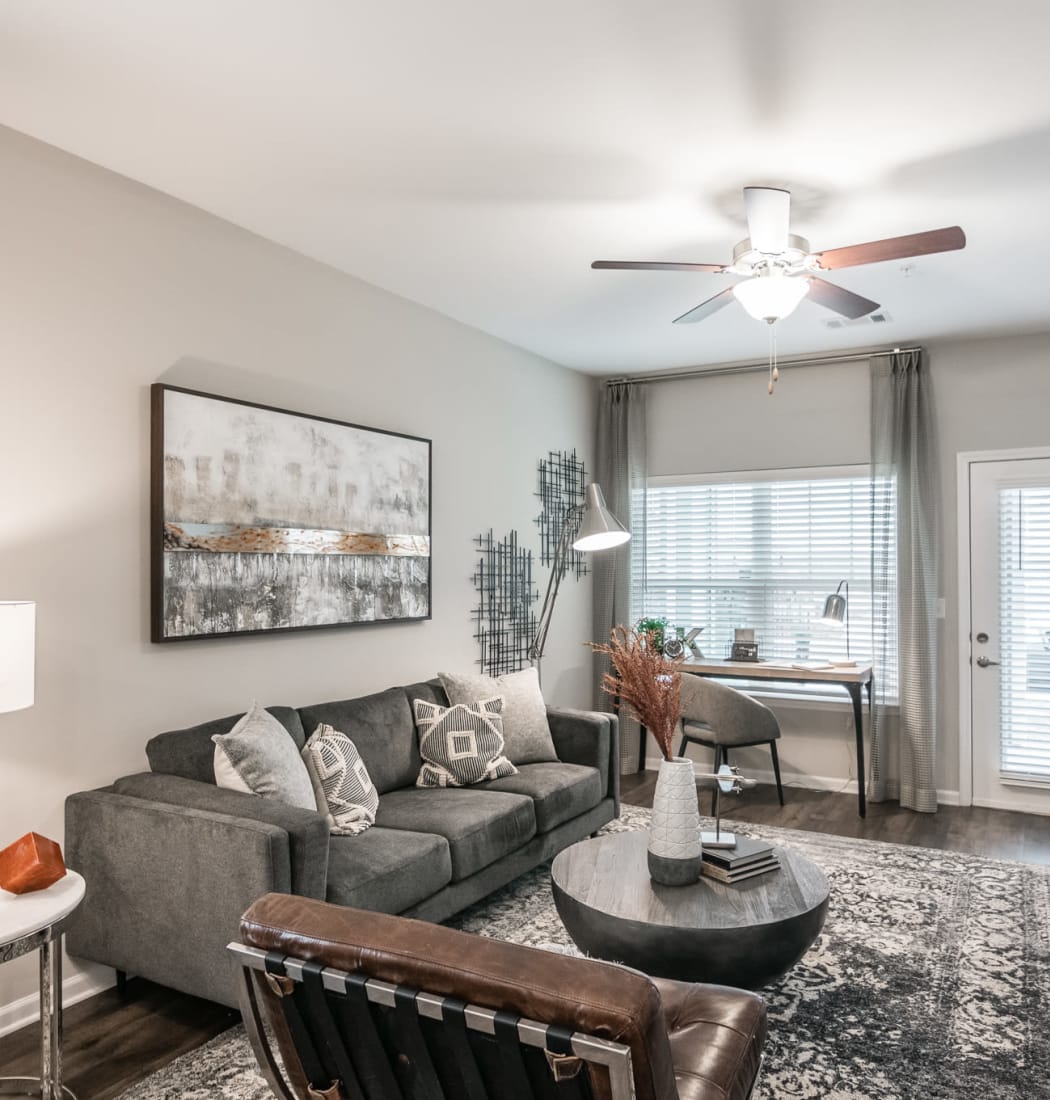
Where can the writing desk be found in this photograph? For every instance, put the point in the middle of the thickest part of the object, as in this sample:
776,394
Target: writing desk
852,679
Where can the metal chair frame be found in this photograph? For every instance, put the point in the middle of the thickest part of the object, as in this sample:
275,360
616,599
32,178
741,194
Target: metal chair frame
562,1047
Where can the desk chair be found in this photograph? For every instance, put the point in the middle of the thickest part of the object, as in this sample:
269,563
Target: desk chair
368,1006
723,718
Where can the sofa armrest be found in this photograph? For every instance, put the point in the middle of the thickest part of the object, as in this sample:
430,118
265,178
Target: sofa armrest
307,830
166,885
592,738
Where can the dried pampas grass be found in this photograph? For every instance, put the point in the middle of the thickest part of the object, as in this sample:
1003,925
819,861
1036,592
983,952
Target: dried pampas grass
645,682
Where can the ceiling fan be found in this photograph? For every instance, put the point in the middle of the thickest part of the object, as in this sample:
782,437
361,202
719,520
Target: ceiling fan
779,267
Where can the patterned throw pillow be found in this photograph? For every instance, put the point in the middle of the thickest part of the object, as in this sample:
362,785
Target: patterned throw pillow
462,744
525,729
344,792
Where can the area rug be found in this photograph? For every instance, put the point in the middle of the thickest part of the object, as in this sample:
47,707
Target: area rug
930,981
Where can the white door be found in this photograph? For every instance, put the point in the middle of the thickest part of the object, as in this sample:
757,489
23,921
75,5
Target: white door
1010,633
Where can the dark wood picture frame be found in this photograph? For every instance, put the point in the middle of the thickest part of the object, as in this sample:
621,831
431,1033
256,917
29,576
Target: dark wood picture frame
273,540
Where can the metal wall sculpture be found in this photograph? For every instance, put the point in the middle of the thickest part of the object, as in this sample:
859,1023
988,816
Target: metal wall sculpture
505,623
264,519
562,483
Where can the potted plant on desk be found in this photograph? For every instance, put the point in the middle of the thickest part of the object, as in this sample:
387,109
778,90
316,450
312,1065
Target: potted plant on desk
652,631
650,686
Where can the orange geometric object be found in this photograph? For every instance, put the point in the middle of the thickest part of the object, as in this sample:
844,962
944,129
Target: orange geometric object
32,863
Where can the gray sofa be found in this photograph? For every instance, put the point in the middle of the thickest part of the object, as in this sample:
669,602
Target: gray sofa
172,861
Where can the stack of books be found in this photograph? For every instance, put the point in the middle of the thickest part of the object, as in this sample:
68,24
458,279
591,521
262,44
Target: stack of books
750,857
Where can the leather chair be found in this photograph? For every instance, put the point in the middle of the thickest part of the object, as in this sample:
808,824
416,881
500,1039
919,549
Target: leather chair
369,1006
723,718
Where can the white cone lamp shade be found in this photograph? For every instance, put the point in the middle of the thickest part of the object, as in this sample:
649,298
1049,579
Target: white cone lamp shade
17,654
599,528
771,297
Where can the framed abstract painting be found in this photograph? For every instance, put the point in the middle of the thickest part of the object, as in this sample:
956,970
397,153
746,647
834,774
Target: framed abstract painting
264,520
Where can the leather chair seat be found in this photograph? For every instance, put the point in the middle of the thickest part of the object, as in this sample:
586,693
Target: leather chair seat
716,1034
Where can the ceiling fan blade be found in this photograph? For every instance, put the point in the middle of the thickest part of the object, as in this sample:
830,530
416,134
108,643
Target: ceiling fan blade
893,248
654,265
839,300
705,309
768,210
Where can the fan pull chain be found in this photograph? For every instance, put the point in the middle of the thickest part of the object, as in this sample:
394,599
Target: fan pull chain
774,372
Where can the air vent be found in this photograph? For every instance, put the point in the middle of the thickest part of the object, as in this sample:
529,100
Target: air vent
879,317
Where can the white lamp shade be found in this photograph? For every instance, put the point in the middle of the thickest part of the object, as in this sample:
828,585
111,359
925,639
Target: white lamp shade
771,297
17,654
599,528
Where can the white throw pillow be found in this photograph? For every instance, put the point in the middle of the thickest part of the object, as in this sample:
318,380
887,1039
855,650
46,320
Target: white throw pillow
525,728
259,756
462,744
345,794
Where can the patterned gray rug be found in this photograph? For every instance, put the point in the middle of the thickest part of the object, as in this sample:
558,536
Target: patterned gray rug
930,981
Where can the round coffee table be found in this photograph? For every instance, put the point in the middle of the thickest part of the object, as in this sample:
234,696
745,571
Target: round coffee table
743,934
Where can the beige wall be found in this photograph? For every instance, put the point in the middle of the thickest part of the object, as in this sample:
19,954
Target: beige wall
987,394
106,287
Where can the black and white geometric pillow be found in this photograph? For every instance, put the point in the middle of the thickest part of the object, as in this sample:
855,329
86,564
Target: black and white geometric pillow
342,787
461,745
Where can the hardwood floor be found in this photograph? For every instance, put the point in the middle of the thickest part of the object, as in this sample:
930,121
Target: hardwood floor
111,1043
997,834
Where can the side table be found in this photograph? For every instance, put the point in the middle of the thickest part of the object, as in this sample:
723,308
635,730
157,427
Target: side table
31,922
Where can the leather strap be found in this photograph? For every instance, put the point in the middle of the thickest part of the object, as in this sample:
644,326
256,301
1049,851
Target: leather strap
515,1079
319,1014
565,1065
304,1044
453,1014
425,1083
356,1018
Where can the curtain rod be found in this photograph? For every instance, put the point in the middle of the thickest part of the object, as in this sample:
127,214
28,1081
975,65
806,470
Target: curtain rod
760,365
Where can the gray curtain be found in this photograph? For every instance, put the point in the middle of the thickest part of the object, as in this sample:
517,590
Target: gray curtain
903,466
620,469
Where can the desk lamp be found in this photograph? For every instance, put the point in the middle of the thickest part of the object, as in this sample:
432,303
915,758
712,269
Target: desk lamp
836,610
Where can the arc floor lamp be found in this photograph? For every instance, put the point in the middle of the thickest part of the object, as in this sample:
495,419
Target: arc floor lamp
588,527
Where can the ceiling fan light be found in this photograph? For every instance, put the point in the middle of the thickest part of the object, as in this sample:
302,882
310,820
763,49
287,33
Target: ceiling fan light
771,297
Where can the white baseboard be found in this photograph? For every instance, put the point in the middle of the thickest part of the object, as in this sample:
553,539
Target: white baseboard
75,988
1015,807
820,783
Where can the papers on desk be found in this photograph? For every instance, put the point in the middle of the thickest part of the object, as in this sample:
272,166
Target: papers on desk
814,666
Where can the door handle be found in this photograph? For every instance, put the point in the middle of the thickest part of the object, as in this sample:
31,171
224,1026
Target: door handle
984,662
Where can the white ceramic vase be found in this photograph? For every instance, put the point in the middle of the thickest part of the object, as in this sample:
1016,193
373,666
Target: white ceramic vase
675,853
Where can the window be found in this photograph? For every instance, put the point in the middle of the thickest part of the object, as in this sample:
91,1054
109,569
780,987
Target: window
764,550
1024,631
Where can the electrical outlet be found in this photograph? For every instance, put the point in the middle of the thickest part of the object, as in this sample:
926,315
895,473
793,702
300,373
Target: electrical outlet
940,607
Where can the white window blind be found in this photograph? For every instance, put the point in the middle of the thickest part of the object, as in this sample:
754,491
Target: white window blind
763,552
1024,630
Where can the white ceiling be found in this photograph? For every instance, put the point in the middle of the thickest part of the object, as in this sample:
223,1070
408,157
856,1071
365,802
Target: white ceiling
476,155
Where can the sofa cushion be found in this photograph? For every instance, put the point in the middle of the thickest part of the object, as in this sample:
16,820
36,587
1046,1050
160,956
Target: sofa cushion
343,789
461,745
525,728
381,727
480,826
190,752
559,791
386,870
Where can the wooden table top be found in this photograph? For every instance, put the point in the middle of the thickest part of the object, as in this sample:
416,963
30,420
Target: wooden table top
610,873
778,670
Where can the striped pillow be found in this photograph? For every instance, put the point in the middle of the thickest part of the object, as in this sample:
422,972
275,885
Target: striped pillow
462,744
342,787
